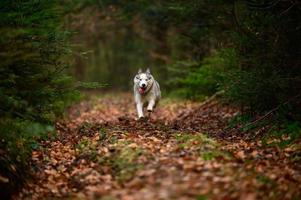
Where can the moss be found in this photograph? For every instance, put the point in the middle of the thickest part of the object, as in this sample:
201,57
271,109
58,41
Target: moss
204,146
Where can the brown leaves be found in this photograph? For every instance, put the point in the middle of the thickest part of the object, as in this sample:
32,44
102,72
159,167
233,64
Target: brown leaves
240,154
102,152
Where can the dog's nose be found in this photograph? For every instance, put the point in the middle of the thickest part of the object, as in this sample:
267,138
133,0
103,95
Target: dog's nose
143,85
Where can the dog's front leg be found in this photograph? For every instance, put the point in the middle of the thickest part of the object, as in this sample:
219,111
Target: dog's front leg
151,105
140,109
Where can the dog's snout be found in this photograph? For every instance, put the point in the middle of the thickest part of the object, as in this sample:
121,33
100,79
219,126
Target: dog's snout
143,84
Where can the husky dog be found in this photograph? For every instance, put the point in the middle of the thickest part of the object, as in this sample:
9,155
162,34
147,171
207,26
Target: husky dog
146,91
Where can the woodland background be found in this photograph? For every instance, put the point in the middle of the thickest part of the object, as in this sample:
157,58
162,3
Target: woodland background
247,52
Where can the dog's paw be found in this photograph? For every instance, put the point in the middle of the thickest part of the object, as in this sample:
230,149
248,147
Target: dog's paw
142,119
149,110
139,118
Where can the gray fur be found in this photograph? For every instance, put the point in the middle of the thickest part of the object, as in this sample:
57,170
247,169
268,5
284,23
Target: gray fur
147,96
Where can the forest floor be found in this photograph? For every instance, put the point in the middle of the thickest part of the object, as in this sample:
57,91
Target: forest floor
184,151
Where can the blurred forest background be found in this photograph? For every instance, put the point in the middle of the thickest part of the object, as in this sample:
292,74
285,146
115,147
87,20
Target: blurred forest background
247,51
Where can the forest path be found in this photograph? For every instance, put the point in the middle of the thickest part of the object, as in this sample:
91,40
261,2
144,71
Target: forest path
182,152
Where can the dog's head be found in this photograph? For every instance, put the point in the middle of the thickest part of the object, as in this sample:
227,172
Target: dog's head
144,81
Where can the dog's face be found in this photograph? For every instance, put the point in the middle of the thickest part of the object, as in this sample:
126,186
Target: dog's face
144,80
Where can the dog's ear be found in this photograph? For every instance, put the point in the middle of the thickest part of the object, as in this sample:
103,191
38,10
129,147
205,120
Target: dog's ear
148,70
139,71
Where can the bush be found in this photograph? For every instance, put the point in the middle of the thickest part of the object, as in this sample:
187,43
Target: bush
269,56
263,73
34,87
204,78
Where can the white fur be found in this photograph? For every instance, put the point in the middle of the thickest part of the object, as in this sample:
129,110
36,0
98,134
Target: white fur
152,93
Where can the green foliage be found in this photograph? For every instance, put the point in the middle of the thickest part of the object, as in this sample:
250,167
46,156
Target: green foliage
261,68
239,119
201,197
284,134
90,85
280,131
125,163
205,78
269,71
207,148
246,48
34,87
122,36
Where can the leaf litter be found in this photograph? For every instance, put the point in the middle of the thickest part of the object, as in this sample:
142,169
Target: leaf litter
181,152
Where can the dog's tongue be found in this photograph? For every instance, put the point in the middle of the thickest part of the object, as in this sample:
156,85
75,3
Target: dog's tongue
141,90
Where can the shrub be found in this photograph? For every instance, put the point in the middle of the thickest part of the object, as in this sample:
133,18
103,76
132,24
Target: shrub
204,78
268,74
34,87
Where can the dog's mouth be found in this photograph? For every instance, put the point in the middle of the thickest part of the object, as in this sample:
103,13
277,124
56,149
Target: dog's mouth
142,90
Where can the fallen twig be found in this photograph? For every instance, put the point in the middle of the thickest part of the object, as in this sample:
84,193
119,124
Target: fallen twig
272,111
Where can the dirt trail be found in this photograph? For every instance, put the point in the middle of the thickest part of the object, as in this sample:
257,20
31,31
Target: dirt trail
182,152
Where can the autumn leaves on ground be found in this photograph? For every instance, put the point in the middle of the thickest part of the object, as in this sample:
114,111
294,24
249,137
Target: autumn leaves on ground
185,150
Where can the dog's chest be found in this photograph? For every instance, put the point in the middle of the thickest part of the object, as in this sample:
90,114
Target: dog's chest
147,97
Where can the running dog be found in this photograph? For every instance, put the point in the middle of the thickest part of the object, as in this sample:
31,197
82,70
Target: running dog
146,91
